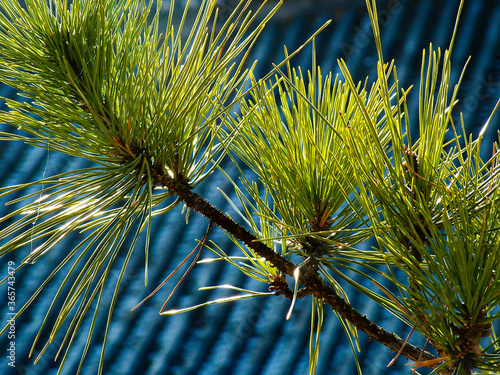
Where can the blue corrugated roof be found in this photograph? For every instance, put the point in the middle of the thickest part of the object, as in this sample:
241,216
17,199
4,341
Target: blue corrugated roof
252,336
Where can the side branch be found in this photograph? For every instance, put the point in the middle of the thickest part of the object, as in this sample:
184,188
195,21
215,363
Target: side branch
312,282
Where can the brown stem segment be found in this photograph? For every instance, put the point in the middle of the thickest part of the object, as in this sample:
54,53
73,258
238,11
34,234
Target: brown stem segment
310,280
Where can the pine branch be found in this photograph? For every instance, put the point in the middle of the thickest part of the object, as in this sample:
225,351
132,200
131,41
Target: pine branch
158,125
308,278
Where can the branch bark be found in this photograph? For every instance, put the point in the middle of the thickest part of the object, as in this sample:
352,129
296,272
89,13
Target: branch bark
309,279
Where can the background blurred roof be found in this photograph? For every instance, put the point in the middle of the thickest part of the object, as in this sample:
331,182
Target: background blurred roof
252,336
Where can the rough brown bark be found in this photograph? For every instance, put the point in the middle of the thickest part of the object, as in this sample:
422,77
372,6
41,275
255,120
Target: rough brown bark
311,281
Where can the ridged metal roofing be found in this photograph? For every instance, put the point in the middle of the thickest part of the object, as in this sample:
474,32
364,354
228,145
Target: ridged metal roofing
252,336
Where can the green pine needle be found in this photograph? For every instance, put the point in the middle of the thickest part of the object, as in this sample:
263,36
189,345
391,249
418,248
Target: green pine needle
99,81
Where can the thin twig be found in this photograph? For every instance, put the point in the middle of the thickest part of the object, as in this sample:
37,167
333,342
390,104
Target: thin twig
197,249
309,279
